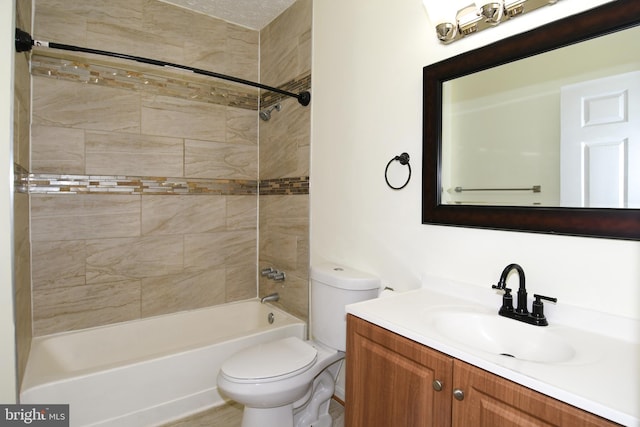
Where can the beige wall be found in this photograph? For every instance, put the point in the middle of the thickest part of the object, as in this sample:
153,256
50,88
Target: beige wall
285,55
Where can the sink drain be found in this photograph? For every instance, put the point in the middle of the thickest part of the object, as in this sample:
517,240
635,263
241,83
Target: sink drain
507,354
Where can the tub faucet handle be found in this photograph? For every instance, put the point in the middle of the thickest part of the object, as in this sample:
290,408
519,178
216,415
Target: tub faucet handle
279,276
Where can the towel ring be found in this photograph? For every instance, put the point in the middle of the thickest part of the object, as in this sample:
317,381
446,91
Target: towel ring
404,160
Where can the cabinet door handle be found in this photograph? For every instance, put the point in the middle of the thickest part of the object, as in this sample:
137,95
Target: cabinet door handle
437,385
458,394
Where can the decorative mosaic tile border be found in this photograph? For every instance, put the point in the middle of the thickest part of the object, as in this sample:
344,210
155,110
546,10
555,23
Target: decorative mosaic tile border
174,84
136,185
284,186
93,184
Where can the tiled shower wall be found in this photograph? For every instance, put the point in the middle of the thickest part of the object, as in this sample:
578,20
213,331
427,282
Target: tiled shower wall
144,181
22,250
285,55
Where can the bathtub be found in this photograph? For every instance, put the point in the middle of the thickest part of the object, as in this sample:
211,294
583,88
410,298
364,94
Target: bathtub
149,371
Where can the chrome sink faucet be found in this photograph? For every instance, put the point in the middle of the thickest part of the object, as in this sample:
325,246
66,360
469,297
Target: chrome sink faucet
521,313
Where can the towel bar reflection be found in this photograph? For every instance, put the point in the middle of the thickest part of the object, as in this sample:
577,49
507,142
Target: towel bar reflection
535,189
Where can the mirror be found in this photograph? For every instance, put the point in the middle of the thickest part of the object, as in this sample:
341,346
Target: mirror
495,183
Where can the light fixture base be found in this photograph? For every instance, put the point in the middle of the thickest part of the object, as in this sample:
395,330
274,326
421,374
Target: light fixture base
470,20
446,32
492,13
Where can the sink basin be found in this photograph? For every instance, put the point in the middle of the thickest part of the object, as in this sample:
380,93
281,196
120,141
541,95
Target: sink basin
494,334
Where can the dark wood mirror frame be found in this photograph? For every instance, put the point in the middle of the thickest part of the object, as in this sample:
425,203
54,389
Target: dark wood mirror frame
609,223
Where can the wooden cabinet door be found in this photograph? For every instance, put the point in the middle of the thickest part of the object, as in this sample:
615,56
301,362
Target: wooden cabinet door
491,401
390,380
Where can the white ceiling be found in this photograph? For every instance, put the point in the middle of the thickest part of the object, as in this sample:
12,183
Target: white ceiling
254,14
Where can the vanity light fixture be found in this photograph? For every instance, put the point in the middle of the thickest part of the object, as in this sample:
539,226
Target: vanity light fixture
443,16
459,18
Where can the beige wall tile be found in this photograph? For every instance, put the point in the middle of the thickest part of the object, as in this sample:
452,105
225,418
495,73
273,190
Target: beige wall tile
206,159
185,291
61,21
83,106
294,295
21,111
77,307
206,250
242,212
74,217
23,14
58,264
111,260
284,142
130,154
22,282
205,44
21,241
281,250
285,214
242,126
57,150
284,245
278,157
242,50
133,40
20,133
167,215
241,281
162,115
285,48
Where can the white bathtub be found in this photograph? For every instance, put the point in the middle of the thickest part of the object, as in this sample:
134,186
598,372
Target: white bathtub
150,371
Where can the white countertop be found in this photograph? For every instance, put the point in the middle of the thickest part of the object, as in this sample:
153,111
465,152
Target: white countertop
603,379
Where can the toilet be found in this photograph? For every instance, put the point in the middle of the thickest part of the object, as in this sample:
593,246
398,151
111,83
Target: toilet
289,382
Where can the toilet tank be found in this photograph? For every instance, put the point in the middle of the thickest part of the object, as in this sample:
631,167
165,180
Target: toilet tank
332,288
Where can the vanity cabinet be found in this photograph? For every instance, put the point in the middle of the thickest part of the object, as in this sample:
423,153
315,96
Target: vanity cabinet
393,381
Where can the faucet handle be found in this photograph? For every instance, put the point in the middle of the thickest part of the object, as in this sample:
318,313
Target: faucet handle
537,311
500,285
539,297
507,302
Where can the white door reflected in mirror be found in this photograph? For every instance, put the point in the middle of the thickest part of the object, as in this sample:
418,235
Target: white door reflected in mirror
600,143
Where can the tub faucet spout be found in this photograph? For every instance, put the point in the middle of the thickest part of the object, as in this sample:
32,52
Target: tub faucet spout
271,297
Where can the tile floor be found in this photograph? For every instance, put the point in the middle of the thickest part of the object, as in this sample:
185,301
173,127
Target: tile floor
231,416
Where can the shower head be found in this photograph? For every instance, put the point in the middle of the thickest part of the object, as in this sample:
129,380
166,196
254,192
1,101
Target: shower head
266,113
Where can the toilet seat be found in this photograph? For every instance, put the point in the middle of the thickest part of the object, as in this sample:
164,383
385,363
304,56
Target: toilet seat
270,361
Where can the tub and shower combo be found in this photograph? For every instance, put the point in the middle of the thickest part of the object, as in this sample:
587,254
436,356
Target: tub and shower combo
148,371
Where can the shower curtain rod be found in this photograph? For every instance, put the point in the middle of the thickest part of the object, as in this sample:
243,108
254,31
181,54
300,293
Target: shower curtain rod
24,42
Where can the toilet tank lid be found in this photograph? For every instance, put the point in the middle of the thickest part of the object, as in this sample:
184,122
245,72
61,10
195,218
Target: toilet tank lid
343,277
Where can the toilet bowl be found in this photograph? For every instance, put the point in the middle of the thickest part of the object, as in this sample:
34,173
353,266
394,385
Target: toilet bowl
278,378
289,382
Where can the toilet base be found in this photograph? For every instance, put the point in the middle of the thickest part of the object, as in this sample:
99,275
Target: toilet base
281,416
314,409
